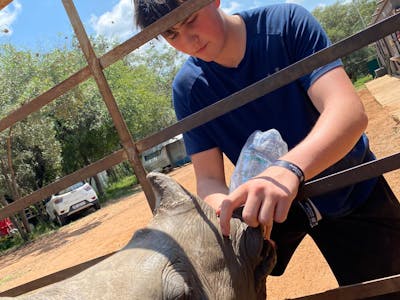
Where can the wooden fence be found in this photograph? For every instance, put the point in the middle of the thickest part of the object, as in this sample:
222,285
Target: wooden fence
132,149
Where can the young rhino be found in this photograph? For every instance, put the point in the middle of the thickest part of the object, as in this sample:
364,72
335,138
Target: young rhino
181,254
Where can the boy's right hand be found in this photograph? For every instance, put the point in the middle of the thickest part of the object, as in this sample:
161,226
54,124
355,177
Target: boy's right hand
266,198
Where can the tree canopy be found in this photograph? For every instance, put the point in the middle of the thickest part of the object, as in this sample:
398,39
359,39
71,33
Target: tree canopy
75,129
343,19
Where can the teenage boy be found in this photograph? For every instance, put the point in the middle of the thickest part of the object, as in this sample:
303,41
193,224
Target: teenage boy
320,116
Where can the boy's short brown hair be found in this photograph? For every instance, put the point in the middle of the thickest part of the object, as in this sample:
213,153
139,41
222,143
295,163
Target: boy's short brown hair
149,11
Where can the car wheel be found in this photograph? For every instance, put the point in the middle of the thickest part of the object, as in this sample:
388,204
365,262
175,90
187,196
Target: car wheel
61,220
97,205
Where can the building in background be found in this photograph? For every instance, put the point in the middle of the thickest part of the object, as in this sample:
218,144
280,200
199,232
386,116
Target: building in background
388,48
166,156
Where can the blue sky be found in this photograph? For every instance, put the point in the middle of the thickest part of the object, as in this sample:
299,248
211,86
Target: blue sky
43,24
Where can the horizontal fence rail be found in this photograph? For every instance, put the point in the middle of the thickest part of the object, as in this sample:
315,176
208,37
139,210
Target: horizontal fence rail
89,171
4,3
364,290
352,175
277,80
52,278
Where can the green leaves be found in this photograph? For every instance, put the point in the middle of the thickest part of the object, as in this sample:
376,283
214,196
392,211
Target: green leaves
343,19
76,129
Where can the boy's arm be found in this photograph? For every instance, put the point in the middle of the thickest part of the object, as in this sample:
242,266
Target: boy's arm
340,125
210,176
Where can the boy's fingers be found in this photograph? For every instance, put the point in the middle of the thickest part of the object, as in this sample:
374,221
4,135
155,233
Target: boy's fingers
251,210
266,217
226,210
281,212
266,231
225,215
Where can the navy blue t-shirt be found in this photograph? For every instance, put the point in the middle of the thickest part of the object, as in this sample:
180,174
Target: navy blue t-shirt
277,36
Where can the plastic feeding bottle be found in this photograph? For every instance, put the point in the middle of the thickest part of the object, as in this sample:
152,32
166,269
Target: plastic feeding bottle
261,150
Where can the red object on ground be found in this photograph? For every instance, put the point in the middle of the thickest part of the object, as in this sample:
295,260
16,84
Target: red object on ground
5,226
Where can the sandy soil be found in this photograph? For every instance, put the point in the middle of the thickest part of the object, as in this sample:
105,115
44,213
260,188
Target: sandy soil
110,228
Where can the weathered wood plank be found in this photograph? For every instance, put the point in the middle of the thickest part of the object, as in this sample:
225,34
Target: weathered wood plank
45,98
4,3
352,175
52,278
153,30
378,287
86,172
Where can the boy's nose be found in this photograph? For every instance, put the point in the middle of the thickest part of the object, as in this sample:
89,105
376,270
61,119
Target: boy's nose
192,41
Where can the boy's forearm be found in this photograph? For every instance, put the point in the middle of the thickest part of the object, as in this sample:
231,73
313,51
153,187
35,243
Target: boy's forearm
212,191
330,140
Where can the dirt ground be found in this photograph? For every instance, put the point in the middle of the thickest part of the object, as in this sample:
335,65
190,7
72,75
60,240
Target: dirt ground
110,228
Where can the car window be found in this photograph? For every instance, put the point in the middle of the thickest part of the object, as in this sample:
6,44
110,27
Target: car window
71,188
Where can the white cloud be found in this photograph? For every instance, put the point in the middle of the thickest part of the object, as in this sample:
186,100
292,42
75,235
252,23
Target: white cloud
233,7
116,24
295,1
8,15
320,5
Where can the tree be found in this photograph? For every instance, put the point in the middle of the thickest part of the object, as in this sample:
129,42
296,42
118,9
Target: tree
36,152
29,152
142,87
76,129
343,19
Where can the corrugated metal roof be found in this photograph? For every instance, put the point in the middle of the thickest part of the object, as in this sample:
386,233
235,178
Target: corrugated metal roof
159,146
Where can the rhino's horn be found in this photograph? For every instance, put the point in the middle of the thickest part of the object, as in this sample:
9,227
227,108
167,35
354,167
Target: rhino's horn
168,192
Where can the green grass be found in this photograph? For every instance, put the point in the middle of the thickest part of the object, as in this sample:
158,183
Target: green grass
7,278
360,83
120,188
11,243
12,276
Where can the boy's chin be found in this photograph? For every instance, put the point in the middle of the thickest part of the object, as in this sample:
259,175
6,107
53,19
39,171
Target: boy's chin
206,59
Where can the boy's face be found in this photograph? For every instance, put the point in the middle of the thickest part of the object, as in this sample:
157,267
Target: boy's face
201,35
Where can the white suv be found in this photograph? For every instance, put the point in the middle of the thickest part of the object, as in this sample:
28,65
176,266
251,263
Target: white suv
76,198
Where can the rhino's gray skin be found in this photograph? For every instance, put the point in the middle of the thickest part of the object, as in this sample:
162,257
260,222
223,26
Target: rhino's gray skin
181,254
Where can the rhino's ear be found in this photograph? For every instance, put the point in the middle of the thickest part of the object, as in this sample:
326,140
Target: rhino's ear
268,261
168,192
262,253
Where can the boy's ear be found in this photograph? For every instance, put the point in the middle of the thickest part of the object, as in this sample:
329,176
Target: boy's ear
217,3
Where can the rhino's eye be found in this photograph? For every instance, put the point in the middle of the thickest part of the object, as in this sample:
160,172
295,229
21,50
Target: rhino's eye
175,284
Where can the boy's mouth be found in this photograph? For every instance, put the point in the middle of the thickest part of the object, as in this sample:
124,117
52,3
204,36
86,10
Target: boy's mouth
201,49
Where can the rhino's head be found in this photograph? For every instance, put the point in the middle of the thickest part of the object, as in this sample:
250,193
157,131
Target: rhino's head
187,256
181,254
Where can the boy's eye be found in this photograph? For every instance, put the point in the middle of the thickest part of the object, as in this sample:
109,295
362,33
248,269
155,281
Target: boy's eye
170,34
191,20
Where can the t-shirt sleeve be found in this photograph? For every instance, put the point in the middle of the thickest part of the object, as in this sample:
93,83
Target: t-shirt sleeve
305,36
185,93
